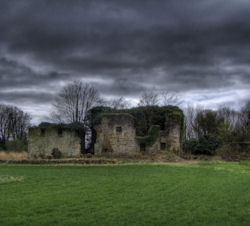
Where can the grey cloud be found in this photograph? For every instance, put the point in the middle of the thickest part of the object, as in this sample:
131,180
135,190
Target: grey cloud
14,74
177,44
26,97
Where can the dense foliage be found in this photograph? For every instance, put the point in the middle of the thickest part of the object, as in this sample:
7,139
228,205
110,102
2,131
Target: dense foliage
72,126
204,145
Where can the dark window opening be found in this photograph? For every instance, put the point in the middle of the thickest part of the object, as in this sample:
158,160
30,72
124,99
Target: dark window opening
119,129
77,133
105,150
60,132
163,146
142,147
42,132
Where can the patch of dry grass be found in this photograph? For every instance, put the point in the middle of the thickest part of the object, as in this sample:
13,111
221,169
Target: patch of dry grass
9,179
13,155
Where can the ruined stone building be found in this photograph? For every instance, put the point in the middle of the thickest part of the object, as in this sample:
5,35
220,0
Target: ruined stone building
143,129
43,139
116,133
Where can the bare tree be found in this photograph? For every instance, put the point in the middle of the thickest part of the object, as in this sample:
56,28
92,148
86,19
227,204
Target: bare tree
189,121
74,101
243,124
149,98
230,116
168,98
72,105
158,97
118,103
4,131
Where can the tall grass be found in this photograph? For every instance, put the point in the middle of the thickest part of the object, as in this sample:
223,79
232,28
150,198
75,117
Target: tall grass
13,155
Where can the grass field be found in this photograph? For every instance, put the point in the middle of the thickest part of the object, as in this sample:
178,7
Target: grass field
205,193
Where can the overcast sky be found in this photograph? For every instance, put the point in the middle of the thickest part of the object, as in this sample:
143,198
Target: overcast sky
199,49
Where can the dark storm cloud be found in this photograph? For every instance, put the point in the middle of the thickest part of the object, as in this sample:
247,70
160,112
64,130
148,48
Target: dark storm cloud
26,97
177,44
14,75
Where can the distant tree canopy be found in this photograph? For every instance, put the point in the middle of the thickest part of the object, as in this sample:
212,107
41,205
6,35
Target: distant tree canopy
208,122
207,130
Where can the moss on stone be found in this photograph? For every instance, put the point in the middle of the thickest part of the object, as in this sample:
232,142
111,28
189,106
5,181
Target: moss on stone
71,126
114,115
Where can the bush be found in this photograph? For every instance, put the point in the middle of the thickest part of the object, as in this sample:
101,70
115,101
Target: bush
56,153
2,145
205,145
17,146
190,145
234,148
14,146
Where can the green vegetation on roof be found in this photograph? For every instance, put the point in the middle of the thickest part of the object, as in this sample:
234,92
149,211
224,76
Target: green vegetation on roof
144,117
99,117
71,126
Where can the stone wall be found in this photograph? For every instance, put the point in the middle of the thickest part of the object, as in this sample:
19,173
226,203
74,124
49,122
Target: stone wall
116,134
173,129
41,142
174,138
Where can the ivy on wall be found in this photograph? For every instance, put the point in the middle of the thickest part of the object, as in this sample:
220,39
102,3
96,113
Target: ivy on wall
151,137
145,118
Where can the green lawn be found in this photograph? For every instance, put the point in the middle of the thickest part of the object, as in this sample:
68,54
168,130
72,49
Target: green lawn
150,194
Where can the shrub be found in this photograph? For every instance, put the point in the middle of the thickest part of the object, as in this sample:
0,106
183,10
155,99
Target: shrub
17,146
205,145
190,145
56,153
234,148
